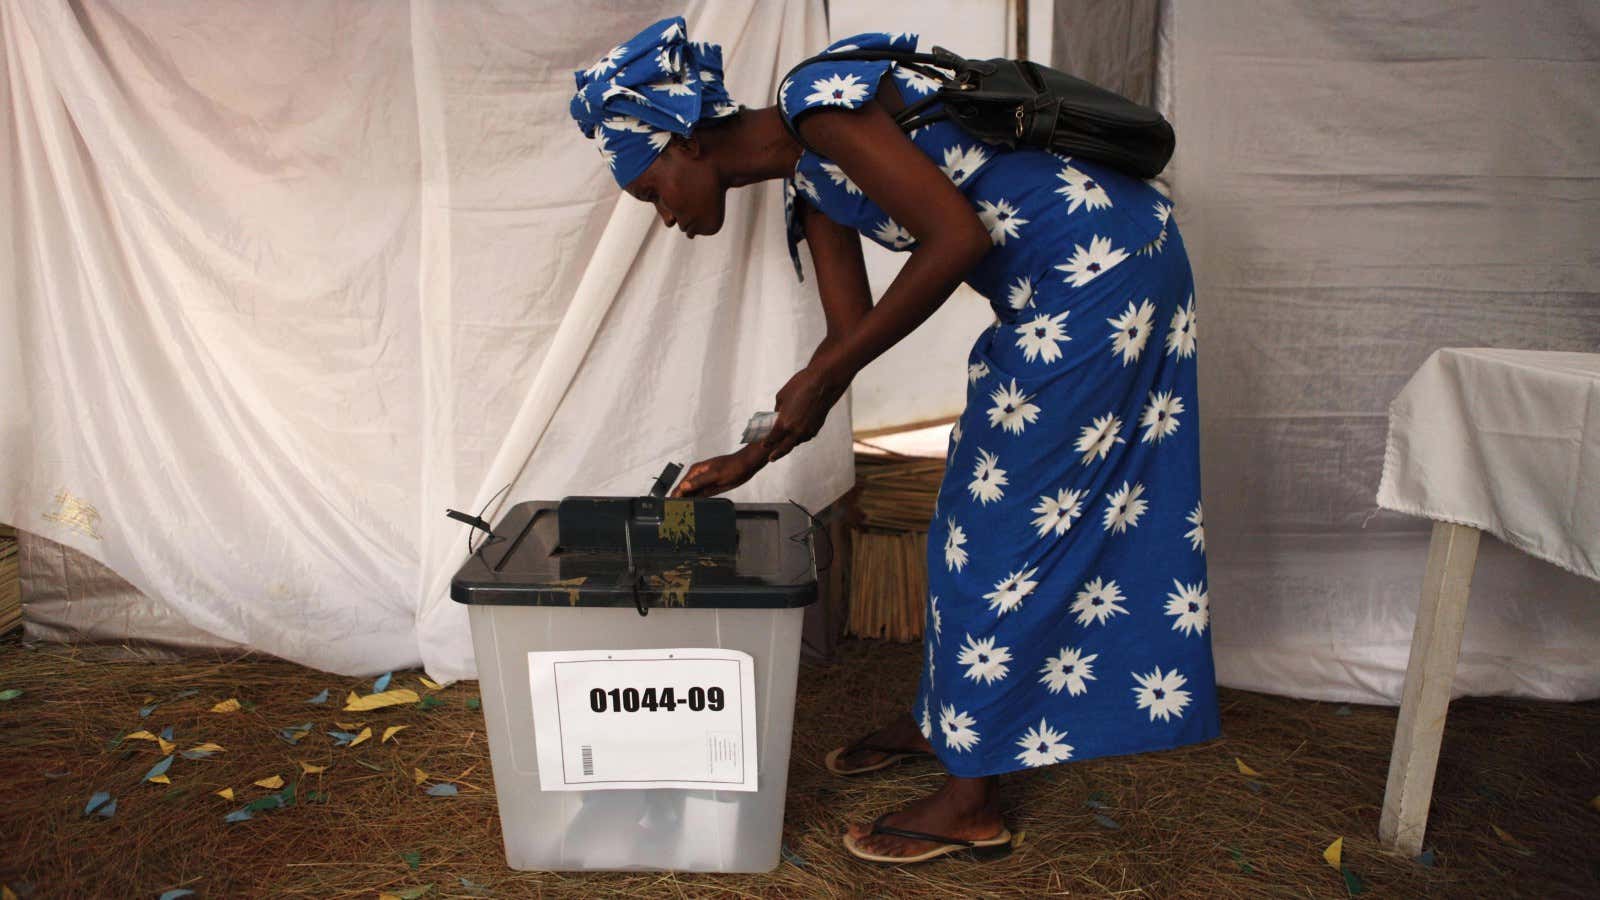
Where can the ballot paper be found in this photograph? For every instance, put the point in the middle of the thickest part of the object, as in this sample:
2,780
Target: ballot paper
759,426
630,719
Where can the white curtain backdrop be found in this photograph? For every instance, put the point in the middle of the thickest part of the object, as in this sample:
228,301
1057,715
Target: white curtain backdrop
284,281
1359,185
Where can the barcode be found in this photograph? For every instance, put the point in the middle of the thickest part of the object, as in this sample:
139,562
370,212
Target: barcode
588,760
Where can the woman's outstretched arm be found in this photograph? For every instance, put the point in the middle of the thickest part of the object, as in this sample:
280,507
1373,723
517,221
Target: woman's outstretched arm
881,159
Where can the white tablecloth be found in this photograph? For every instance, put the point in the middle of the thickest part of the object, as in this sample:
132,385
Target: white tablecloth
1507,441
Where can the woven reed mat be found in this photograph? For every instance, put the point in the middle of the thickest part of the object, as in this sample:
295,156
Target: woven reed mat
889,575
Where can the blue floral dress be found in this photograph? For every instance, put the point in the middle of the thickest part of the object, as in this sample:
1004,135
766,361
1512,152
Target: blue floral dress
1067,614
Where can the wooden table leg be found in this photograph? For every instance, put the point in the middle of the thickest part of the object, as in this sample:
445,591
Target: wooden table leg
1435,646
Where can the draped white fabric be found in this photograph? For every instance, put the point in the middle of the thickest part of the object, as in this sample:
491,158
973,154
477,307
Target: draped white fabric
1358,186
286,281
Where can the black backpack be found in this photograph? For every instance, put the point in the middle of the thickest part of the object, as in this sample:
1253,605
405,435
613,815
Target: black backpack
1020,103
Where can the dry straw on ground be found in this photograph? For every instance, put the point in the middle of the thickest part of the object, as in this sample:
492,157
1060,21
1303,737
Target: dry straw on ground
1189,824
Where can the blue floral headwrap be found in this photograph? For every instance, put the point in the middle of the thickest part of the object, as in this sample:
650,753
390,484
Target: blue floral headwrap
644,91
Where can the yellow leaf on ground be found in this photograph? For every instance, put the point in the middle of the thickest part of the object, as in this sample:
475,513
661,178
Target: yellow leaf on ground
418,775
391,730
378,701
225,793
161,779
350,727
229,705
149,697
365,733
1506,836
1016,839
1333,852
207,747
272,783
312,770
351,698
429,684
1244,769
140,736
166,746
6,893
1595,803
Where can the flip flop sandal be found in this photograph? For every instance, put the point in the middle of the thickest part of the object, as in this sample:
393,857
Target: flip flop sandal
988,848
896,754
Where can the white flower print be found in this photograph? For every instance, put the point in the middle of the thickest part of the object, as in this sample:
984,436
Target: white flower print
1197,534
987,478
1011,410
673,88
960,163
977,371
1043,336
927,724
890,232
803,183
954,557
1008,594
1124,508
1098,601
1021,293
1056,513
1097,440
897,36
1068,669
783,93
707,76
1001,219
610,156
1042,746
1181,337
957,728
984,661
1160,693
1160,418
667,59
938,620
670,32
724,109
616,89
840,178
955,434
1191,607
626,123
606,62
916,81
838,90
660,139
1163,212
1131,330
1087,265
1081,190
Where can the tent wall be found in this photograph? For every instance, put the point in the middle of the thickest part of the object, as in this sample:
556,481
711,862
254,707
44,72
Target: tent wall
1359,185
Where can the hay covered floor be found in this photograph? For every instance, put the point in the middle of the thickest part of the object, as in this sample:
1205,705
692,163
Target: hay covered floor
1187,822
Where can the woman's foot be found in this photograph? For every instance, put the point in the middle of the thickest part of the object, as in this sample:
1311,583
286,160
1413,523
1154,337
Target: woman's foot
964,808
901,734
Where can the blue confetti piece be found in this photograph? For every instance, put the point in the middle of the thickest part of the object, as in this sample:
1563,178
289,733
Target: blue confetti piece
1426,857
159,768
793,858
442,790
197,754
99,798
341,738
1342,711
320,698
175,894
166,733
144,713
1106,821
1094,804
182,694
1254,786
238,815
109,810
473,887
382,684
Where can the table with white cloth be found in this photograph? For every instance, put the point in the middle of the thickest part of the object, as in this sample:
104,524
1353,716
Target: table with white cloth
1481,440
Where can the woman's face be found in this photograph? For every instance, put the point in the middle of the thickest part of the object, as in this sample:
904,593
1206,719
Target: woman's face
683,186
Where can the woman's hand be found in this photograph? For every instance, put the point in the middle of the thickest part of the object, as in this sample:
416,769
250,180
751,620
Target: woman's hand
713,476
804,402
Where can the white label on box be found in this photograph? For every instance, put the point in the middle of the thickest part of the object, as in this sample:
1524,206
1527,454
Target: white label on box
629,719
